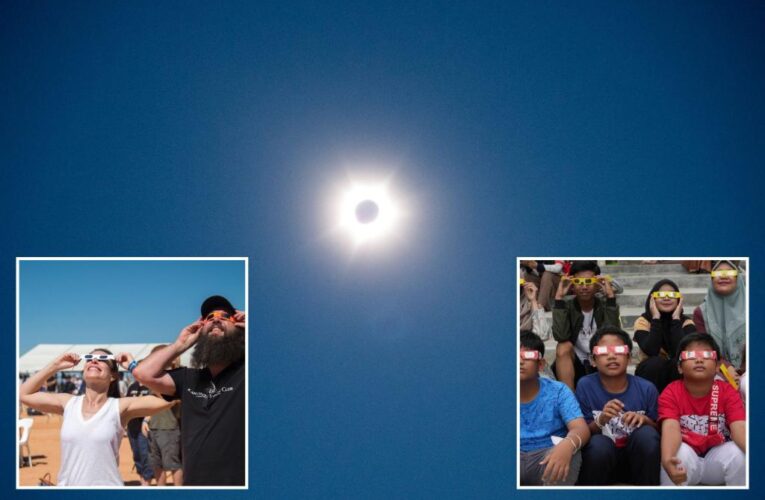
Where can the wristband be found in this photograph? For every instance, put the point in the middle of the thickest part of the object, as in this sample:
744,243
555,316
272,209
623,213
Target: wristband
597,422
132,366
576,449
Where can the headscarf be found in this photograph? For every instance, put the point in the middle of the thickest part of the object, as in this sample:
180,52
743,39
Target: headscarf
725,317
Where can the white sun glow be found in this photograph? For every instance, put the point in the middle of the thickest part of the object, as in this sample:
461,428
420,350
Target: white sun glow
377,225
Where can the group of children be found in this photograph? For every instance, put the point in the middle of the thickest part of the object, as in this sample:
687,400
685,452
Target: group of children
683,423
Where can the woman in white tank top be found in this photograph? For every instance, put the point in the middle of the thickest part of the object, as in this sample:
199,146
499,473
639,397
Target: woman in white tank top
92,426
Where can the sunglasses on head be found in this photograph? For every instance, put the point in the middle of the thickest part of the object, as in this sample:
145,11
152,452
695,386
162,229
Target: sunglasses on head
98,357
219,314
666,295
726,273
531,355
613,349
685,355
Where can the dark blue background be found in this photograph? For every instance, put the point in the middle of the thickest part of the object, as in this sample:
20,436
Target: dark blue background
539,128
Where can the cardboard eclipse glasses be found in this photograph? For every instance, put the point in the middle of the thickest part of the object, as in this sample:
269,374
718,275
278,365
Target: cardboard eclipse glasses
97,357
726,273
219,314
589,281
666,295
686,355
599,350
530,355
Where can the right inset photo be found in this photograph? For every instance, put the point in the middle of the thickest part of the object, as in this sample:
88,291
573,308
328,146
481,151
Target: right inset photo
632,372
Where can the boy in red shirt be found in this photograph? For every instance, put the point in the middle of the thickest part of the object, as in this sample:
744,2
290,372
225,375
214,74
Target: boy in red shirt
703,427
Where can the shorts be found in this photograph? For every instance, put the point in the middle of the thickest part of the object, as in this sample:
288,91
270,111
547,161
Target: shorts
165,449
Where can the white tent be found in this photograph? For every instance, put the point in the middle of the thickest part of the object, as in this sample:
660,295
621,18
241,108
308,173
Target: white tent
40,355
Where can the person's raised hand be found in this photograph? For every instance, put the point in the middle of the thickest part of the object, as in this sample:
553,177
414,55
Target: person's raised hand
678,312
124,359
655,314
563,287
605,285
66,361
240,319
189,335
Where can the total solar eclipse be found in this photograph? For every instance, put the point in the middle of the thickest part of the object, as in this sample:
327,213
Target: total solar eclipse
367,211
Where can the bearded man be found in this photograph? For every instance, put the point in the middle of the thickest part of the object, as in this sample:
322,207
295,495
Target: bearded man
212,393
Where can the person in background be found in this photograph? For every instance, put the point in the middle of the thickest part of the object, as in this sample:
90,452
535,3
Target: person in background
723,314
165,439
139,444
658,332
577,318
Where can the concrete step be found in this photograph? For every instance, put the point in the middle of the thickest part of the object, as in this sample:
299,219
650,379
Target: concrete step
634,267
648,280
636,297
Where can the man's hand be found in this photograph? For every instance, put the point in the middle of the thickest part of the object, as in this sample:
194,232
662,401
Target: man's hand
558,462
605,284
240,319
678,312
124,359
633,419
675,470
563,287
610,410
66,361
189,335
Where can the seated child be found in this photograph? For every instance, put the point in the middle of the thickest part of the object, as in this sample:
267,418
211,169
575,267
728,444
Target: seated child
552,428
575,319
621,411
699,417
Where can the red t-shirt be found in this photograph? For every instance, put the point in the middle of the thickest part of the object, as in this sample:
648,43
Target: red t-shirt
677,403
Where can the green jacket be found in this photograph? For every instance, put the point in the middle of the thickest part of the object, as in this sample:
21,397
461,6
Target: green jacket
568,317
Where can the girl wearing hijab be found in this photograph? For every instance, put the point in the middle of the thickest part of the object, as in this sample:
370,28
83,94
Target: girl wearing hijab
658,332
92,427
723,312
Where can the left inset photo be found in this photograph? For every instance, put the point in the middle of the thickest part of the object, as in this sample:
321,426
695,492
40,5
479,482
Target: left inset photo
132,372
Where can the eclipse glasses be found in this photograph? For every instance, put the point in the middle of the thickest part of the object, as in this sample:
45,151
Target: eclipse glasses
726,273
599,350
686,355
666,295
219,314
531,355
97,357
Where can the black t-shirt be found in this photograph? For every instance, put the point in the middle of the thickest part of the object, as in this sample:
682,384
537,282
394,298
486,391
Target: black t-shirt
212,425
135,390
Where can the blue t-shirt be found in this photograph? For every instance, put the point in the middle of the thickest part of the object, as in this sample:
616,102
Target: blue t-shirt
547,415
640,396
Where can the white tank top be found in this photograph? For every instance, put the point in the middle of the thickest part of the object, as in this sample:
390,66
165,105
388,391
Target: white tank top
90,448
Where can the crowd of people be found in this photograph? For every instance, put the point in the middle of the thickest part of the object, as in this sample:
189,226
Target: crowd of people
680,420
188,422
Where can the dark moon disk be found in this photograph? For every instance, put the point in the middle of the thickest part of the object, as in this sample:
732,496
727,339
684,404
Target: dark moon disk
367,211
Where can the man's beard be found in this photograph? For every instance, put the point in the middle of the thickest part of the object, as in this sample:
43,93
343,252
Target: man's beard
218,350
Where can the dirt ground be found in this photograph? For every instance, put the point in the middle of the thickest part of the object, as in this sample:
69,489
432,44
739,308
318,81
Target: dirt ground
46,454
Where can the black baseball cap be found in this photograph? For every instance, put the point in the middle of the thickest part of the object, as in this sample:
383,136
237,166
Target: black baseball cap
217,303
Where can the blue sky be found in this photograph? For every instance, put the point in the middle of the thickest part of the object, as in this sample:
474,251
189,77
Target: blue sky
119,302
514,128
